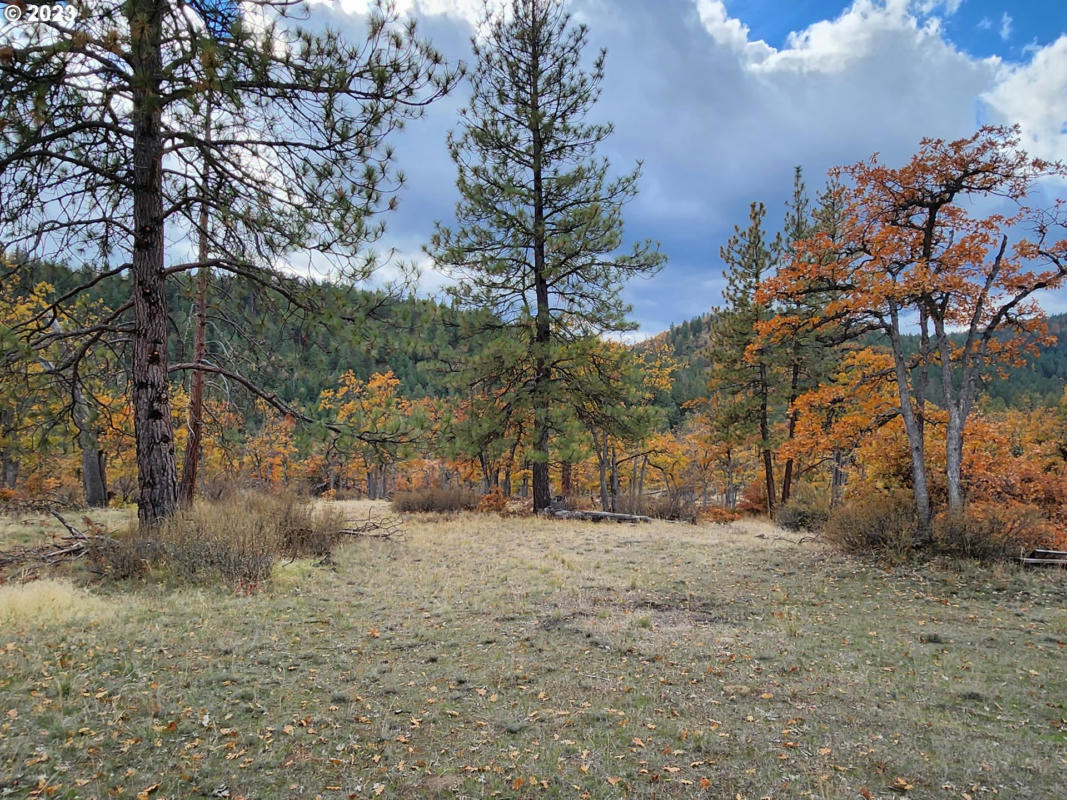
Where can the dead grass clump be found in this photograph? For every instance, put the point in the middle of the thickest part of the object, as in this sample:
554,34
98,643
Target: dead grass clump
874,524
992,532
48,602
433,499
235,540
122,557
303,528
213,542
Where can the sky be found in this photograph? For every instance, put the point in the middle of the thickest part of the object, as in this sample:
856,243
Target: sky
720,99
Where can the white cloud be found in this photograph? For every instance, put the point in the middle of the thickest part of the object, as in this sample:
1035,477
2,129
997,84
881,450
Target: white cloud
1035,96
927,7
720,118
985,24
729,32
470,11
1005,26
864,29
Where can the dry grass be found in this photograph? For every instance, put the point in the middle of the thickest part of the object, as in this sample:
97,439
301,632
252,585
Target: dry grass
530,658
23,530
49,602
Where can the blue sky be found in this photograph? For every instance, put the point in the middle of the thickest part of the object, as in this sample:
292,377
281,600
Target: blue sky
980,27
720,99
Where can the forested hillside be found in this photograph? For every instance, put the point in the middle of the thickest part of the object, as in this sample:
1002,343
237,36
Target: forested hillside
1038,382
297,346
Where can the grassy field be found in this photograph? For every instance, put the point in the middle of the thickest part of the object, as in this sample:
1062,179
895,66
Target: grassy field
488,657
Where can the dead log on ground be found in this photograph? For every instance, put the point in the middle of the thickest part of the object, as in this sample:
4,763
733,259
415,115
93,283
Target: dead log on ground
596,516
1045,558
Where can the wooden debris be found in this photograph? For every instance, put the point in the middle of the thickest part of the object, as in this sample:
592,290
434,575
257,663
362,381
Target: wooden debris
66,548
596,516
1045,558
374,528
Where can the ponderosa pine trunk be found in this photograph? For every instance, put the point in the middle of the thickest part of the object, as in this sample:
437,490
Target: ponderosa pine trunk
94,475
542,492
765,437
194,441
566,479
9,465
156,463
791,426
601,447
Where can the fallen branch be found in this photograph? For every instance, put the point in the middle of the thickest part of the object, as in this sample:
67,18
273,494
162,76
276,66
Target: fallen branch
77,534
67,548
374,528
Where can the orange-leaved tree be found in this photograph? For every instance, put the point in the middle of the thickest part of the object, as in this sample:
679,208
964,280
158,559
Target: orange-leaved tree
925,247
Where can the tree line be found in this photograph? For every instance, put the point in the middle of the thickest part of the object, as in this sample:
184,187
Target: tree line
190,161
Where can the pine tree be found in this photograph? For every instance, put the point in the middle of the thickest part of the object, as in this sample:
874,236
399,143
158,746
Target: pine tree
741,375
540,222
102,148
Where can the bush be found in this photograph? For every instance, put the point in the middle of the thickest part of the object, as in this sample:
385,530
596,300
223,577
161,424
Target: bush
235,541
753,498
807,510
121,557
432,499
989,531
494,502
718,515
878,524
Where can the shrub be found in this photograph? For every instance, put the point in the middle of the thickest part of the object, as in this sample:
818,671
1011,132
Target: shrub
718,515
992,531
494,502
878,524
235,541
807,510
122,557
753,498
302,529
433,499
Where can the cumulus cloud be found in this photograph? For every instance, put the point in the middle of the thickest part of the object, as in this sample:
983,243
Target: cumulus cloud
730,32
1035,96
719,117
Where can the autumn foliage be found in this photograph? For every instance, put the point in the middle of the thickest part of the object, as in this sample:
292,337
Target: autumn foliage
846,373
